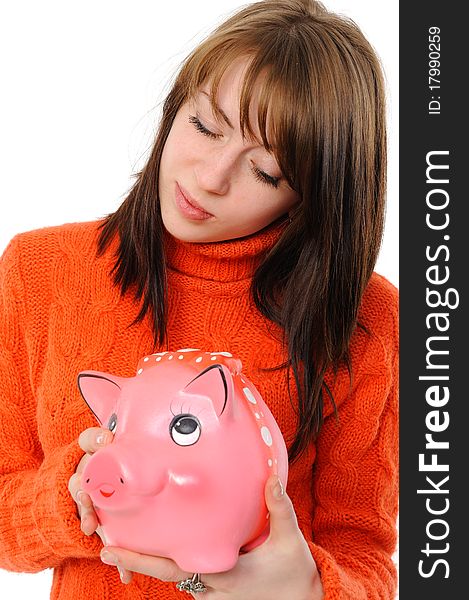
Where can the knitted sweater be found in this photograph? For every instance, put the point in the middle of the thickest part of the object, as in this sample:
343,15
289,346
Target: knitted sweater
60,314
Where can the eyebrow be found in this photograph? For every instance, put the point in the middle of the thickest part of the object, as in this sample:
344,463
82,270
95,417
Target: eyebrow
228,122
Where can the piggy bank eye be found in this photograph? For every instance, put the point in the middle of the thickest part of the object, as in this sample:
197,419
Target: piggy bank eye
185,430
112,425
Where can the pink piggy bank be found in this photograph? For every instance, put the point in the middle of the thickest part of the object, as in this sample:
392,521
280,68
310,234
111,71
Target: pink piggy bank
194,444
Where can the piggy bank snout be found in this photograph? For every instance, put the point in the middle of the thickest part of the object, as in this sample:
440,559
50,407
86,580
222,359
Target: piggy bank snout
114,472
102,468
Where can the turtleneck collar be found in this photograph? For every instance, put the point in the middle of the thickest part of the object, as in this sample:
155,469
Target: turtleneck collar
228,261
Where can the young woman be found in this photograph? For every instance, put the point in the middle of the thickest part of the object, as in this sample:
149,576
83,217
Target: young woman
253,228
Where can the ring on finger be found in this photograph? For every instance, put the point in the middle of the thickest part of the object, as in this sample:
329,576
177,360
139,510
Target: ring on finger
192,585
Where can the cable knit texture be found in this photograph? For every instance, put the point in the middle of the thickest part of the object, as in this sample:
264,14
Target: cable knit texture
60,314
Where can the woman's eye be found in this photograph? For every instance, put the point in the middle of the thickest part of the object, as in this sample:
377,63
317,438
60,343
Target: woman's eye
112,425
265,178
198,125
185,430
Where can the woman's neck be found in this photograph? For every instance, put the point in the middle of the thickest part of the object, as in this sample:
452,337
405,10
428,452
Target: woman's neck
226,261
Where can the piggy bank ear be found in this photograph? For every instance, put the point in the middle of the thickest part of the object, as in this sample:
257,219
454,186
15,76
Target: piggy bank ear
100,391
216,383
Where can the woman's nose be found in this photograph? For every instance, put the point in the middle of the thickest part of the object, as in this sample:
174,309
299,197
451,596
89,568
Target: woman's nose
215,171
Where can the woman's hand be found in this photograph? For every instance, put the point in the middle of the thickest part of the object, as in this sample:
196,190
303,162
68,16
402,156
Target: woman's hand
281,567
90,441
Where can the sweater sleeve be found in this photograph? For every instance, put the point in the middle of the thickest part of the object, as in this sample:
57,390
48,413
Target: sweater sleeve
39,524
355,484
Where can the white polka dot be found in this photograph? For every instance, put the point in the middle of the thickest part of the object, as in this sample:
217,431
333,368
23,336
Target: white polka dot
269,462
249,395
266,435
170,357
158,359
181,356
213,358
258,416
198,359
146,359
140,371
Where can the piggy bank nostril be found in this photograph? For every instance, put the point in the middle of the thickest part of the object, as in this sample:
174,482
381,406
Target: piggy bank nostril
122,481
88,480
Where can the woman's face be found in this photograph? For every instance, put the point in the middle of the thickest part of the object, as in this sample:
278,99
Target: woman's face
237,184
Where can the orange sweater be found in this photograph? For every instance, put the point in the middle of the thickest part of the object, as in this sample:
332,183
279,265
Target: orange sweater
60,314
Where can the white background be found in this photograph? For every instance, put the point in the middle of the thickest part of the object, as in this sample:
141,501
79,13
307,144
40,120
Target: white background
83,84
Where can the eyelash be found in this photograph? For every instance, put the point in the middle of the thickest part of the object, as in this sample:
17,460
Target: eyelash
259,175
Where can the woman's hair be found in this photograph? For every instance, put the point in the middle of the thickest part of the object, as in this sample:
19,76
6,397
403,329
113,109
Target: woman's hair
322,114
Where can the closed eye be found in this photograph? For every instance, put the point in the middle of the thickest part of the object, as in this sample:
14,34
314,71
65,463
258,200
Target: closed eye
198,125
265,178
261,176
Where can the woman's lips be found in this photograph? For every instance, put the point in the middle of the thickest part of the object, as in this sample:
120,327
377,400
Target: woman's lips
188,209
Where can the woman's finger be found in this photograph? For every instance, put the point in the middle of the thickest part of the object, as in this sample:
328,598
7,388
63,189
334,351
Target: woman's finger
92,439
86,512
164,569
89,520
74,486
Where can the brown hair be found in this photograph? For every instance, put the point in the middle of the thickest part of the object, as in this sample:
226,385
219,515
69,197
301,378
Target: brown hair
323,94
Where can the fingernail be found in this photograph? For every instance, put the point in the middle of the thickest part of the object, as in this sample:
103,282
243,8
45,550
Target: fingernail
101,438
278,489
108,558
80,495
